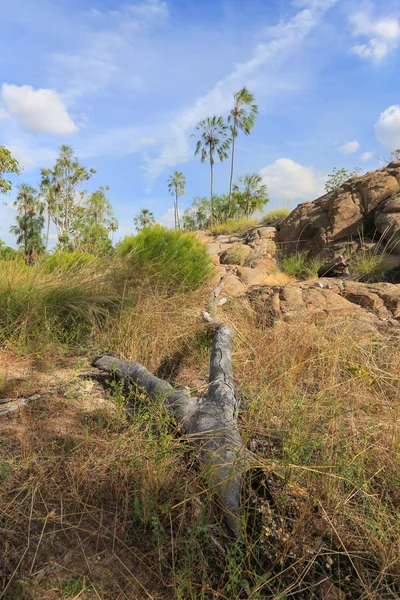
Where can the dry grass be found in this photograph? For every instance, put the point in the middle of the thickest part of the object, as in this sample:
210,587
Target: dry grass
120,495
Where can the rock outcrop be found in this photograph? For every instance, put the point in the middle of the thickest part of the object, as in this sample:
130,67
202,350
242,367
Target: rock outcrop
362,207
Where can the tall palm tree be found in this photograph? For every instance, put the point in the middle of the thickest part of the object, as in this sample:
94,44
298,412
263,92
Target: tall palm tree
176,187
251,193
144,219
213,140
30,221
242,117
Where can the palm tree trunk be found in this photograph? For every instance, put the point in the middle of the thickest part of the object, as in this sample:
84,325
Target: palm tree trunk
212,189
232,169
176,209
48,229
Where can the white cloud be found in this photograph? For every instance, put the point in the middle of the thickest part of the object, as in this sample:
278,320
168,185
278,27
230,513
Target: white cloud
168,219
387,128
3,114
350,147
279,42
367,156
37,110
288,180
383,34
21,155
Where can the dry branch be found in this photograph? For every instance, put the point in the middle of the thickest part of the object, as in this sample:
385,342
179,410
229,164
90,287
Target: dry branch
209,421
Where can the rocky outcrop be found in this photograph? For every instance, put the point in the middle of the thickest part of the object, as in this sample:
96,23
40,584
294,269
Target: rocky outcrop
363,206
375,304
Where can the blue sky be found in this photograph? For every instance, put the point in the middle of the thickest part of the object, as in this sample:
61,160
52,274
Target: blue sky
124,84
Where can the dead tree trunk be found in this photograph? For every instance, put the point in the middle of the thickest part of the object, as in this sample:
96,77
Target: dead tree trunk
210,421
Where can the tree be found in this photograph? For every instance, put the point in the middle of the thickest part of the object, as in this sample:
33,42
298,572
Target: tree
250,193
198,215
94,222
176,187
30,221
144,219
395,155
213,140
241,118
61,189
8,164
339,176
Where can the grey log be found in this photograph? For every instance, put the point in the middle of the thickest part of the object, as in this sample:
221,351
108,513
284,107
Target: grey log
210,421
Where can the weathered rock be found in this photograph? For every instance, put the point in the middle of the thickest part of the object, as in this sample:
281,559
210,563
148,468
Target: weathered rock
374,304
251,276
335,268
358,208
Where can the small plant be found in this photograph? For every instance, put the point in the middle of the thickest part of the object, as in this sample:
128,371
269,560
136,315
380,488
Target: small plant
299,266
367,267
235,255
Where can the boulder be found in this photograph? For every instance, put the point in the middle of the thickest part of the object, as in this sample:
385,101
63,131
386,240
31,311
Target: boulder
360,207
234,255
335,268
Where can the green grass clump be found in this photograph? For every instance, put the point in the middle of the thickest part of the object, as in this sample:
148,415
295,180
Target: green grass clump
233,227
273,217
299,266
173,258
39,309
66,261
367,267
235,255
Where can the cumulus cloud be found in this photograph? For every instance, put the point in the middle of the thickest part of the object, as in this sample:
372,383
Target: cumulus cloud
350,147
37,110
387,128
367,156
21,155
288,180
383,34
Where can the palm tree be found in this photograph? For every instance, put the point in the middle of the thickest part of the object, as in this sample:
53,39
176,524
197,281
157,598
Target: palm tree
30,221
176,187
251,193
213,140
144,219
242,117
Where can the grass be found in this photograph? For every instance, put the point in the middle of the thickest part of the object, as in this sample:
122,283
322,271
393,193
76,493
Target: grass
233,227
299,266
120,494
272,218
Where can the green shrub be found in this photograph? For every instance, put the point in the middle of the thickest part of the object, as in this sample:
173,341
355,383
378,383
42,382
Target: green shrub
64,262
273,217
233,227
8,253
174,258
299,266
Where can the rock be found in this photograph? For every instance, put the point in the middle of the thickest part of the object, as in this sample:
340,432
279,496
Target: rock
359,207
250,276
335,268
388,224
328,591
374,304
234,287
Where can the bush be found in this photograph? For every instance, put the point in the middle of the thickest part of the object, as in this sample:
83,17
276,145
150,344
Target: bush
174,258
273,217
299,266
8,253
65,262
233,227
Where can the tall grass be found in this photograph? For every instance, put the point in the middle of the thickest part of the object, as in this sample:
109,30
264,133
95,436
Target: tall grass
233,227
299,265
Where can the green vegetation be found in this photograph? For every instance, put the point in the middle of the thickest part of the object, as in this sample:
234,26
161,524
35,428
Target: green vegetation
340,176
8,164
144,219
251,193
30,222
241,118
213,134
174,258
177,187
233,227
272,218
299,266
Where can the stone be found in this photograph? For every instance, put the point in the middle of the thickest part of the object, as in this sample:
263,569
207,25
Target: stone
235,255
359,208
335,268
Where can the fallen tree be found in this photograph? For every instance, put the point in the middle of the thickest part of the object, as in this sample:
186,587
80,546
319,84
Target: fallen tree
210,421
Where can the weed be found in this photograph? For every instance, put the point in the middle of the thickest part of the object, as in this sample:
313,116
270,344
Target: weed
299,266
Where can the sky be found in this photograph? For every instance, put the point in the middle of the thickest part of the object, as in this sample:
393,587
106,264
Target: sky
124,83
